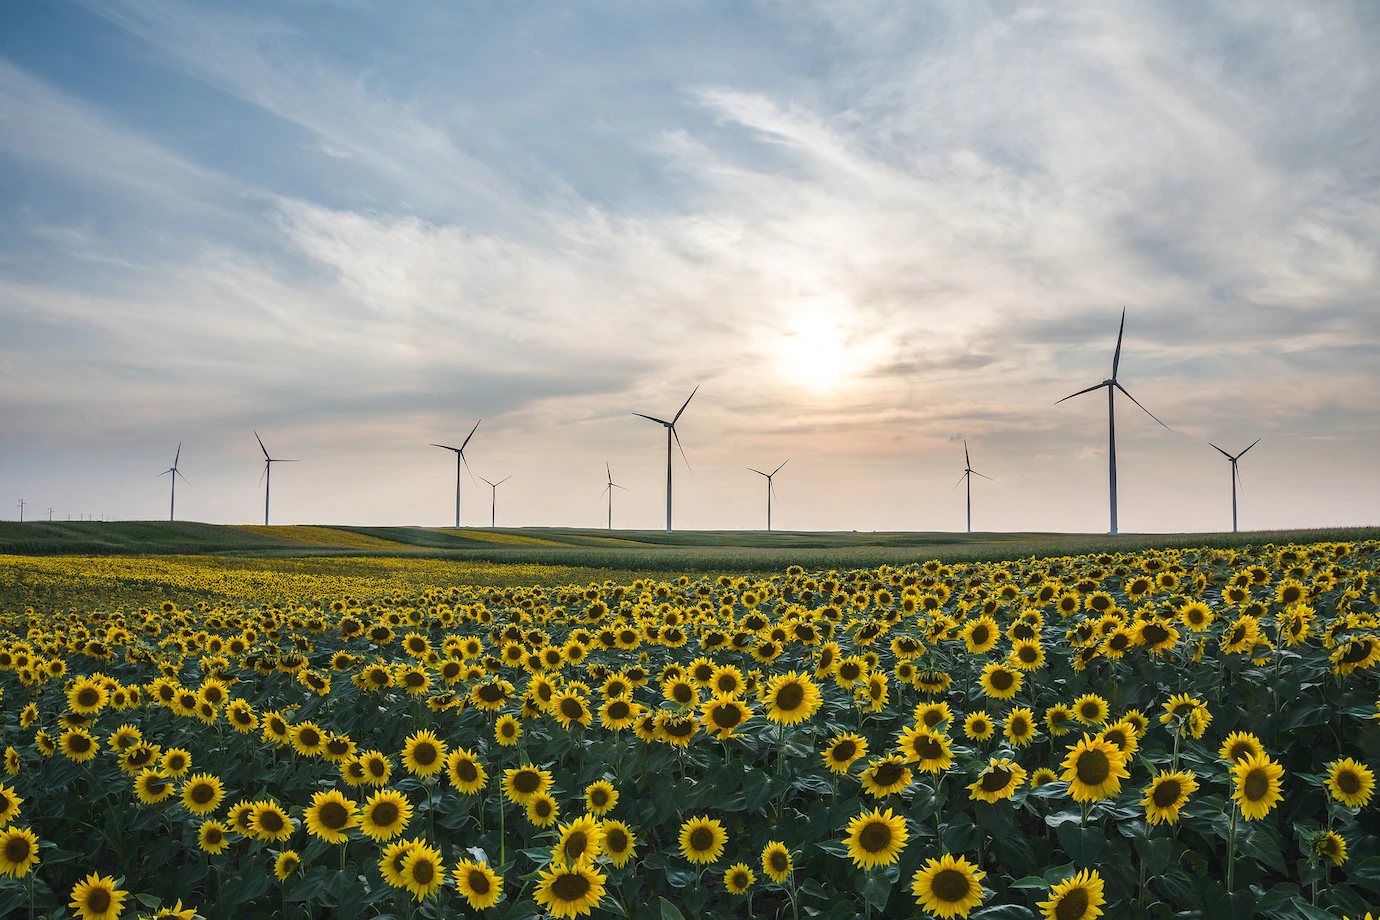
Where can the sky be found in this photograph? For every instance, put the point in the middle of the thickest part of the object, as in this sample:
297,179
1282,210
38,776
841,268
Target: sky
866,231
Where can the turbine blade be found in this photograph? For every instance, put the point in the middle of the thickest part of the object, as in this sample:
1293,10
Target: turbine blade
976,473
1137,402
178,456
1221,451
261,446
682,449
687,402
1243,453
609,470
617,486
179,473
485,480
778,469
446,447
960,480
264,473
1096,386
967,461
466,442
1116,358
465,460
659,421
606,490
1236,471
503,480
758,472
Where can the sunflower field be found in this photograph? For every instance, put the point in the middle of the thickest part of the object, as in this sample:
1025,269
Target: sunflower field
1170,733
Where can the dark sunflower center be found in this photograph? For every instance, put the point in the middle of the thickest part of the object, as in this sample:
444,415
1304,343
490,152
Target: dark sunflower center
680,728
933,717
618,709
1357,653
333,816
1256,786
615,841
875,837
17,849
213,836
1020,727
526,781
309,737
888,774
423,871
1029,654
1002,680
790,697
1166,794
1093,768
951,886
576,844
98,900
571,708
926,748
425,753
377,767
88,696
980,635
570,887
1073,905
727,716
845,749
203,793
1348,782
701,839
479,882
466,770
1155,634
271,821
849,671
1091,711
1119,642
598,798
386,813
490,693
415,679
79,744
995,779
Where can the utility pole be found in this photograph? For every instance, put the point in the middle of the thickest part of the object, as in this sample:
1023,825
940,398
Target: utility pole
21,510
50,515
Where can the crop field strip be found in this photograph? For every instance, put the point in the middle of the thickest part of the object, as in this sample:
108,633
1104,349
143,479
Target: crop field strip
1140,733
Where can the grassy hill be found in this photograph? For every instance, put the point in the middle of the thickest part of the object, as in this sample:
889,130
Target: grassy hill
627,550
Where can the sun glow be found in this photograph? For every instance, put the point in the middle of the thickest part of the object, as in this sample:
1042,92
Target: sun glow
819,351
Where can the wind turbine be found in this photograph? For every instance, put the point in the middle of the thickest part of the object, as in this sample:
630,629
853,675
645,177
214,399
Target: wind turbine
1112,386
770,488
493,499
609,489
460,458
1235,476
172,499
968,474
267,477
671,433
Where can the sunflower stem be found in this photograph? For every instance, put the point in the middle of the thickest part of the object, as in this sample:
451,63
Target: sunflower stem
1231,850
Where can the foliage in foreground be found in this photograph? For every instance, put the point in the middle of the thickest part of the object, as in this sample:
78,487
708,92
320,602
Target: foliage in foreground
1143,734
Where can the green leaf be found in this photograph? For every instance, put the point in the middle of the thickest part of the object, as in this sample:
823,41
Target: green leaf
669,911
1082,844
875,890
1030,881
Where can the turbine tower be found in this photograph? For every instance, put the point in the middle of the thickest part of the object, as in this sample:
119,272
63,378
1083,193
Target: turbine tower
460,458
770,488
267,477
671,433
609,490
968,474
1235,476
493,499
172,499
1112,386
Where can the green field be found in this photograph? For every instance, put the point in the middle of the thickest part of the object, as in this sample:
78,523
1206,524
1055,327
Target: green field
622,550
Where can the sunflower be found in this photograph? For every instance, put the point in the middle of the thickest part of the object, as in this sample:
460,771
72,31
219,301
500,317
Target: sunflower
570,708
424,754
1020,727
507,730
776,861
1350,783
1239,746
271,822
1257,785
702,840
1042,776
843,751
790,698
620,843
570,891
466,773
330,815
1094,770
1187,713
724,715
1078,897
210,837
600,797
1166,794
876,838
885,776
1331,846
521,784
392,858
1000,682
385,814
927,749
423,872
998,780
87,696
578,841
932,715
9,804
1059,719
96,898
981,635
1090,709
18,851
78,745
618,713
1157,637
978,726
152,787
542,810
738,878
307,739
1123,735
202,793
479,884
276,729
948,886
287,862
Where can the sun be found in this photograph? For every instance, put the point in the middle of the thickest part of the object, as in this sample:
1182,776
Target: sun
819,350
